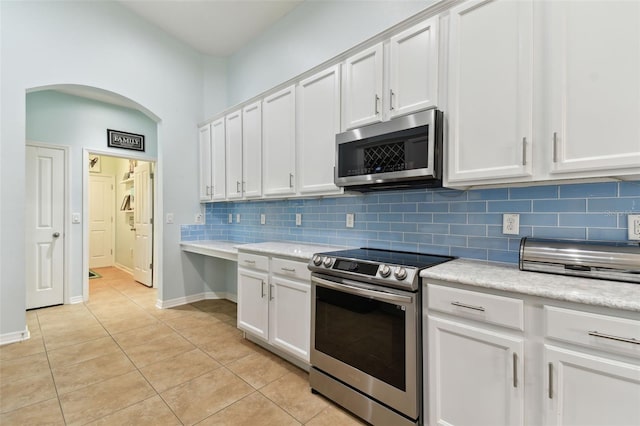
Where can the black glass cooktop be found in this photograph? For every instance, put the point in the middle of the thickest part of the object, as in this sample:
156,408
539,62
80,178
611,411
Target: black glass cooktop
401,258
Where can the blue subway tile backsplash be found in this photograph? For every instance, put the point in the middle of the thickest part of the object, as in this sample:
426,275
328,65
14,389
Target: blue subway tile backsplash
467,224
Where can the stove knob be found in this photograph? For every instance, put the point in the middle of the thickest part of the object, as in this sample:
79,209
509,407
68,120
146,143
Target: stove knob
385,271
400,273
317,260
327,262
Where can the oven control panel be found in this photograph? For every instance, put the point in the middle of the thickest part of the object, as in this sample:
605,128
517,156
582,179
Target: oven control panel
356,268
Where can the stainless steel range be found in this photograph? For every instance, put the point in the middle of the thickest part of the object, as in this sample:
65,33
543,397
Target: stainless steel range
366,346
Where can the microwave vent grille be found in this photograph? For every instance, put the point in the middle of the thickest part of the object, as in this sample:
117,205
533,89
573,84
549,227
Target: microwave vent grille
389,157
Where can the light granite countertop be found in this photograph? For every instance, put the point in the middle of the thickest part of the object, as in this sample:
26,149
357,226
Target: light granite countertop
611,294
229,249
221,249
292,249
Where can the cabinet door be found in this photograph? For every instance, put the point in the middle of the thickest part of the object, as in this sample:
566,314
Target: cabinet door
362,90
475,375
318,121
490,90
279,131
252,150
582,389
413,76
253,302
594,65
234,154
204,160
290,316
218,160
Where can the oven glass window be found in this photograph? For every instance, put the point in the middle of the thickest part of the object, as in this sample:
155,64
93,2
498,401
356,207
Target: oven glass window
366,334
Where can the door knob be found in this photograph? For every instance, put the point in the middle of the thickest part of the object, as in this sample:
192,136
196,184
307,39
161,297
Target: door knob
56,234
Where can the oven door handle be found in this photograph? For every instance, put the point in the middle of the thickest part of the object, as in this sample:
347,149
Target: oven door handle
372,294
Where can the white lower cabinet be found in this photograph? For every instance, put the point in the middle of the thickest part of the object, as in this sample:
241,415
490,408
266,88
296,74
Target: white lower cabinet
582,367
591,384
475,371
274,302
584,389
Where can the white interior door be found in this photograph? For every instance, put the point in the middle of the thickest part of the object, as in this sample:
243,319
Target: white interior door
143,224
101,211
44,217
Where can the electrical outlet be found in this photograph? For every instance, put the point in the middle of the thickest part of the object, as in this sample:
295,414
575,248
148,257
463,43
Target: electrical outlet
198,217
263,219
350,220
298,219
230,218
237,217
634,227
169,218
511,223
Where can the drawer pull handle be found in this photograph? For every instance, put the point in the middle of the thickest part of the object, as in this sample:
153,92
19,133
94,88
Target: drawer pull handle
550,380
262,289
250,261
464,305
619,339
515,370
288,269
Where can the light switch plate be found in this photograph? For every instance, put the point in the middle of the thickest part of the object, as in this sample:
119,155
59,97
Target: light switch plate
75,218
263,219
230,218
298,219
198,217
634,227
237,217
169,218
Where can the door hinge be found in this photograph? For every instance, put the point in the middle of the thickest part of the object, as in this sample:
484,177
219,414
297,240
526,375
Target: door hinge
151,175
151,266
112,187
111,219
111,251
151,221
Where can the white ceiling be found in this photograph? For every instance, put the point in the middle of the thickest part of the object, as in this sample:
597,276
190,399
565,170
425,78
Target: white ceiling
213,27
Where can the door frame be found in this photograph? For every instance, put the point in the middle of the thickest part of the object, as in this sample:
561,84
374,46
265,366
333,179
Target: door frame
66,207
156,230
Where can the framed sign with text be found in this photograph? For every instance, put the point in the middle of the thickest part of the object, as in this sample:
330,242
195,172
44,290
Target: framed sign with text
124,140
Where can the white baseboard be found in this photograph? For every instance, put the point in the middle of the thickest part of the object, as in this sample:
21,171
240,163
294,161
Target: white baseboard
172,303
16,336
76,299
123,268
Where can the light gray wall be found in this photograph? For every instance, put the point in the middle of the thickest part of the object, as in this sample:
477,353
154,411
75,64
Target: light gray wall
100,45
312,33
214,85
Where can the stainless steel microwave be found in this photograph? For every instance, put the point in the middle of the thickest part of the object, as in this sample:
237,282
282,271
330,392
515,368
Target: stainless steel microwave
405,152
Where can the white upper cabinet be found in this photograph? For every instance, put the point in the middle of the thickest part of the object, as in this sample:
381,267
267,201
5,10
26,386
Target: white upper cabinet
594,87
251,186
204,160
490,90
279,138
396,77
218,161
234,154
413,69
317,121
363,88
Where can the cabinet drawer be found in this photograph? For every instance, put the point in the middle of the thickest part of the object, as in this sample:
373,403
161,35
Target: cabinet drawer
597,331
504,311
253,261
290,268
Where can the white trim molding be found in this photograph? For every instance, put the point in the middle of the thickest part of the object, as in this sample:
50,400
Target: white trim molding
16,336
76,299
179,301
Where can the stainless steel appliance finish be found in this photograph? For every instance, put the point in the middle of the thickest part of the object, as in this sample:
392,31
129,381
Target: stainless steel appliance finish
366,332
400,153
610,261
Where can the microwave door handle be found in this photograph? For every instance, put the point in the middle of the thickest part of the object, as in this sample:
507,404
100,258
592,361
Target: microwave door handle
375,295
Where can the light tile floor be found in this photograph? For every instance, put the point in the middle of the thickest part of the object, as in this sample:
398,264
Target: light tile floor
119,360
